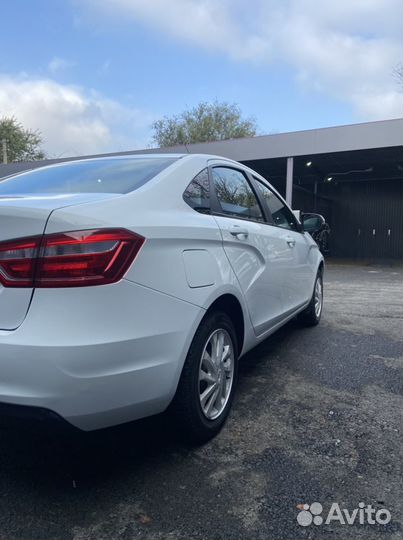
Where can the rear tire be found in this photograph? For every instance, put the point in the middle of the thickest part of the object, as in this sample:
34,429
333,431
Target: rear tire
206,388
312,314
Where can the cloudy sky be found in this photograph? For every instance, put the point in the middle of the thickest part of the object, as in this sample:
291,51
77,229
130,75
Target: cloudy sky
92,75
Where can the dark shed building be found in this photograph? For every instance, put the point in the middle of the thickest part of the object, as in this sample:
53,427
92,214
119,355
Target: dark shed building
353,175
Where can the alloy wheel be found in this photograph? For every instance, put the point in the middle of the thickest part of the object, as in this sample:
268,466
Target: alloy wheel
216,373
318,297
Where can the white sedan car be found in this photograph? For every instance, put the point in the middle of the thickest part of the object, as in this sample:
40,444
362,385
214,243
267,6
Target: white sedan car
130,285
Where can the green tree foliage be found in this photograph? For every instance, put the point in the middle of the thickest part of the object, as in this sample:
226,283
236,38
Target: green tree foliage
22,144
205,122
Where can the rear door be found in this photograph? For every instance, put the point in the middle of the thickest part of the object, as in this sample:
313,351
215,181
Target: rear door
298,273
251,246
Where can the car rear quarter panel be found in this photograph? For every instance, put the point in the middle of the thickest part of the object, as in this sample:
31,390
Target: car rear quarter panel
158,212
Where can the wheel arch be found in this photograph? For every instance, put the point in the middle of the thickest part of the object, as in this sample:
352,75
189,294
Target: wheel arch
229,304
321,267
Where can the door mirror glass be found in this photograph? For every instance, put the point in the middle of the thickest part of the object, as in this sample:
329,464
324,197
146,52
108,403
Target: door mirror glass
312,222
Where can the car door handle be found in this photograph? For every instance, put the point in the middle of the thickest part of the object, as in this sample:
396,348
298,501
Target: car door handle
236,230
290,241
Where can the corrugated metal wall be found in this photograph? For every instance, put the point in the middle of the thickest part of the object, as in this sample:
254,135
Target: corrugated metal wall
367,220
366,217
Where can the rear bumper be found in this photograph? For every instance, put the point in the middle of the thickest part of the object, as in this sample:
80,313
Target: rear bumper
30,418
97,356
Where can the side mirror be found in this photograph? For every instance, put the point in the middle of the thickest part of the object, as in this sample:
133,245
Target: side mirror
312,222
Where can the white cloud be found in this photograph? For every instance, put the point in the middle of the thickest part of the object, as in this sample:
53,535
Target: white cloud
59,64
72,120
346,49
209,24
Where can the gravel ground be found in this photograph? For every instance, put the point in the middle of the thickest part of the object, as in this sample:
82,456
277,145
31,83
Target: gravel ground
317,418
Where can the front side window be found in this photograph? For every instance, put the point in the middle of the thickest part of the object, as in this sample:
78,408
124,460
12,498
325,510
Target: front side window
235,194
197,194
282,216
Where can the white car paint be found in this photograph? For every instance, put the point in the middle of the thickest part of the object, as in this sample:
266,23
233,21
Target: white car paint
103,355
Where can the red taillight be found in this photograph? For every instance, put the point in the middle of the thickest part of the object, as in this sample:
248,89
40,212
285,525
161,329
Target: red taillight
17,262
71,259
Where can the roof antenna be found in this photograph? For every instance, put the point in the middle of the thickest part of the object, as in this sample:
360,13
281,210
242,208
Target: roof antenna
187,149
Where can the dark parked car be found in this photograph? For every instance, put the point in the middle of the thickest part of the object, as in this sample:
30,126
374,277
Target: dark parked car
319,229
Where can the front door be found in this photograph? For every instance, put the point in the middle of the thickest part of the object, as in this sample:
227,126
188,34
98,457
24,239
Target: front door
299,273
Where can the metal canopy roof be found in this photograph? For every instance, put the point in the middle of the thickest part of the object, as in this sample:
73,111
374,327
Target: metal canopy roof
352,166
370,135
340,139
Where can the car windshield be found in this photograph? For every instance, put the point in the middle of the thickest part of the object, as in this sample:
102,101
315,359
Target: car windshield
120,175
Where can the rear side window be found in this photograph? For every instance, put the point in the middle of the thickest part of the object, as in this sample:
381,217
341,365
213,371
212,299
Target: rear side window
197,194
235,194
120,175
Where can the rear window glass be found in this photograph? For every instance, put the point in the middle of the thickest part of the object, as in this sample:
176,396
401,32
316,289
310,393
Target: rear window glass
95,176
